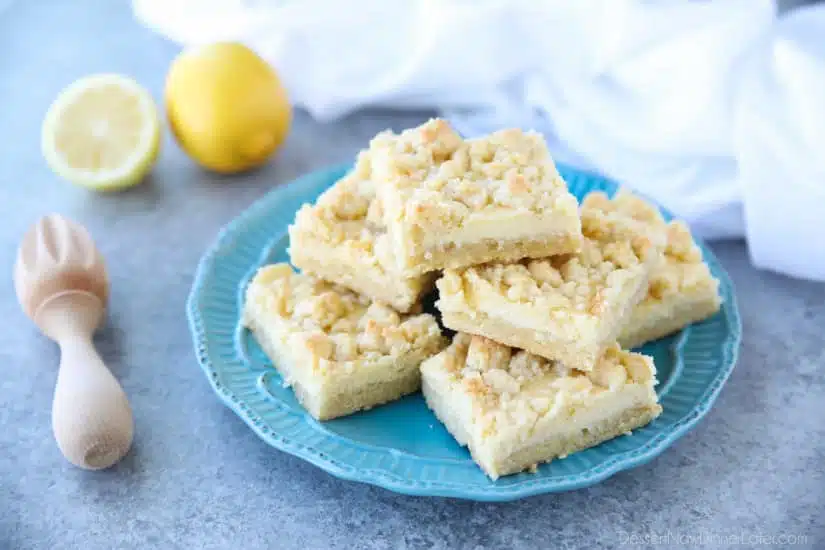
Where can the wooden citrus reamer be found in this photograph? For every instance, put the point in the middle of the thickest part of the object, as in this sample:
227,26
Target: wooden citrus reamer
62,285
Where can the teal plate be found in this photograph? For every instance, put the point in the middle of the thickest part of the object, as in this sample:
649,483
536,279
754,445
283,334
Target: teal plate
401,446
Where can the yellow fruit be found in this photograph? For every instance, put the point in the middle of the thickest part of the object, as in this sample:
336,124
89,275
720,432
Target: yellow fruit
226,106
102,132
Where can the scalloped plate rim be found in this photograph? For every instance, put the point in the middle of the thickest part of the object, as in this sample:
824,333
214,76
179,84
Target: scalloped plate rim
616,463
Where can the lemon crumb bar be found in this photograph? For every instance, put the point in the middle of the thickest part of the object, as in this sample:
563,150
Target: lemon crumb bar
681,291
340,351
514,410
568,308
450,202
341,238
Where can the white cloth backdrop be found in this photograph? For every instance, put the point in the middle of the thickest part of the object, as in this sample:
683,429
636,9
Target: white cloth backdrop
715,109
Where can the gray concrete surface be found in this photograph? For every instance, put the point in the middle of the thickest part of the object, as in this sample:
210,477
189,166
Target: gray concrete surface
198,478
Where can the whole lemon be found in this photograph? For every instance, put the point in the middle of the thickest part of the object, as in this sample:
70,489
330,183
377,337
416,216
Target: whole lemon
226,107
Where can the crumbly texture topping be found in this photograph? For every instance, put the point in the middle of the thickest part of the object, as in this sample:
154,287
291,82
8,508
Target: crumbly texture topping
683,270
440,178
504,378
348,212
620,237
337,325
626,222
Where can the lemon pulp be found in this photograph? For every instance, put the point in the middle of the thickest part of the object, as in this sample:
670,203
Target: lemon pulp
102,132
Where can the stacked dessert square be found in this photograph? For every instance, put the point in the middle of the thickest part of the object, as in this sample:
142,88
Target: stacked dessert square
546,296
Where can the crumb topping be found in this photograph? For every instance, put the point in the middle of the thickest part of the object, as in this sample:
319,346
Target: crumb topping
336,324
619,241
501,379
441,178
626,222
349,214
347,211
683,269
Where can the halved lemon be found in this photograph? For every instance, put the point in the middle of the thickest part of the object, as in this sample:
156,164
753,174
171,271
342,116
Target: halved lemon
102,132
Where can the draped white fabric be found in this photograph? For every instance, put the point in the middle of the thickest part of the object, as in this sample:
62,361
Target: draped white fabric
714,109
